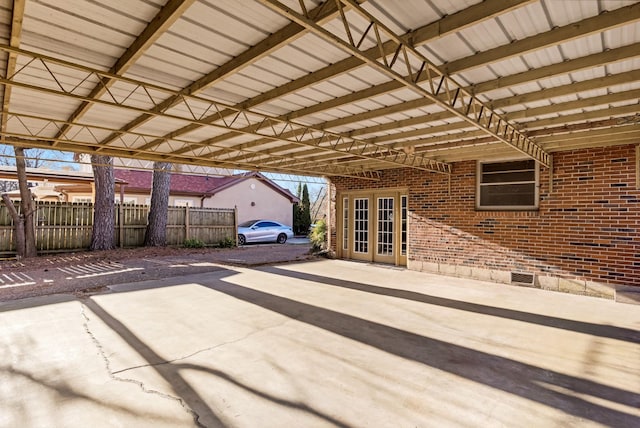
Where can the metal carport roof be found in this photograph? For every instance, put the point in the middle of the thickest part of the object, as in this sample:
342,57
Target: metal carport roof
320,88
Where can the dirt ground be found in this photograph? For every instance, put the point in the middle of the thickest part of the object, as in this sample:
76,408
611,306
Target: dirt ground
91,271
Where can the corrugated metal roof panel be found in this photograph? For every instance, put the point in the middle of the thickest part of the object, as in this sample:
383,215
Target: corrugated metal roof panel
5,22
483,36
237,26
403,16
212,33
446,49
563,13
526,21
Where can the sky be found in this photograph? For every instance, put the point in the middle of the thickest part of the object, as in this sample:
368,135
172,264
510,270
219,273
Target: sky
58,160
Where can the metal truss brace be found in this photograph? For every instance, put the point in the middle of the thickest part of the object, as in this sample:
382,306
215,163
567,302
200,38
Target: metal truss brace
39,130
143,97
410,68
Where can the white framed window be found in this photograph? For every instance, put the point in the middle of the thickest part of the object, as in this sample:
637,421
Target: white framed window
129,200
82,199
183,203
507,185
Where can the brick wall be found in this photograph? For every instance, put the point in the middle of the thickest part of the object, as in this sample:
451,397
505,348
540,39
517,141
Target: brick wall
587,228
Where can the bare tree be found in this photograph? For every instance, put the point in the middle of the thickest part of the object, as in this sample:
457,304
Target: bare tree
34,158
156,235
25,234
103,208
8,186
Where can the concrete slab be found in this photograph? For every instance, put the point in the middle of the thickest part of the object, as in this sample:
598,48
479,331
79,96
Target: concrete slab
325,343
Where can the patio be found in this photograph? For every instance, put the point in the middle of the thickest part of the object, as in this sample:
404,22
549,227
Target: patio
319,343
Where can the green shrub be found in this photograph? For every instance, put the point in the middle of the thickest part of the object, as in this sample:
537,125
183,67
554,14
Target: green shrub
193,243
227,243
318,236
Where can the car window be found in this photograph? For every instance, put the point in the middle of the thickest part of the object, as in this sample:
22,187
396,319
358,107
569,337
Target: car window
247,223
267,224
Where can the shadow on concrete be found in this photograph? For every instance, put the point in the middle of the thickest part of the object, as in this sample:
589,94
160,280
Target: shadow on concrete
171,373
61,388
547,387
567,393
280,401
611,332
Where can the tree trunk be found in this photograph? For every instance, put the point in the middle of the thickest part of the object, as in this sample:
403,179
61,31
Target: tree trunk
103,234
25,224
156,235
18,224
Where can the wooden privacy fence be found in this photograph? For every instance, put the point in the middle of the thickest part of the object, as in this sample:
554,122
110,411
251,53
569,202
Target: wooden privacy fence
67,226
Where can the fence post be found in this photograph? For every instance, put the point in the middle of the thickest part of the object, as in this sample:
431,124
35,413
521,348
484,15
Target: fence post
186,222
121,224
36,224
235,223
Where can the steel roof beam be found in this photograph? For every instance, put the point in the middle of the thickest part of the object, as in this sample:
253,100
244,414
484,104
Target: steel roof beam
414,65
245,122
616,132
39,128
571,31
614,128
533,112
434,147
17,15
160,23
602,58
520,114
447,25
584,28
275,41
608,57
84,140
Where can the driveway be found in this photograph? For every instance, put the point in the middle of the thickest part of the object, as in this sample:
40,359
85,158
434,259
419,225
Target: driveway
94,270
325,343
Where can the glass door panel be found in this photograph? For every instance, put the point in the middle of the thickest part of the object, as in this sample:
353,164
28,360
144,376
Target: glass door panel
361,229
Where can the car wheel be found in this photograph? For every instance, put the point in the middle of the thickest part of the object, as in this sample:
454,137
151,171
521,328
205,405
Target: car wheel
282,238
242,240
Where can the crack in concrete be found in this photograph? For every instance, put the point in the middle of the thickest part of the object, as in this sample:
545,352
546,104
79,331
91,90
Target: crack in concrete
141,385
210,348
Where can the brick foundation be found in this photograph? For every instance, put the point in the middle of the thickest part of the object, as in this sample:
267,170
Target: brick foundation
585,237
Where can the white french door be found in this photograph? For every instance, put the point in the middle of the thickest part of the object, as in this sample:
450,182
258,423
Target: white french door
372,226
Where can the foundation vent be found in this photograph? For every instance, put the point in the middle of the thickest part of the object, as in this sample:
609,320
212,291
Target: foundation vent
522,278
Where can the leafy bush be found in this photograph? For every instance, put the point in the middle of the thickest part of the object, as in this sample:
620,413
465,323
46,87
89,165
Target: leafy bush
227,243
318,236
193,243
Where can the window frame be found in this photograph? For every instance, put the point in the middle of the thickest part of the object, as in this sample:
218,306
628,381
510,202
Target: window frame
404,225
479,185
345,223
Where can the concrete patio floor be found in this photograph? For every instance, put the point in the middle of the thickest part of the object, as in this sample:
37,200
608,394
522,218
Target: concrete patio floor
326,343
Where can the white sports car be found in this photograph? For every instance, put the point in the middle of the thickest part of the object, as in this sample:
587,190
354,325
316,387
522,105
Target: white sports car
263,231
